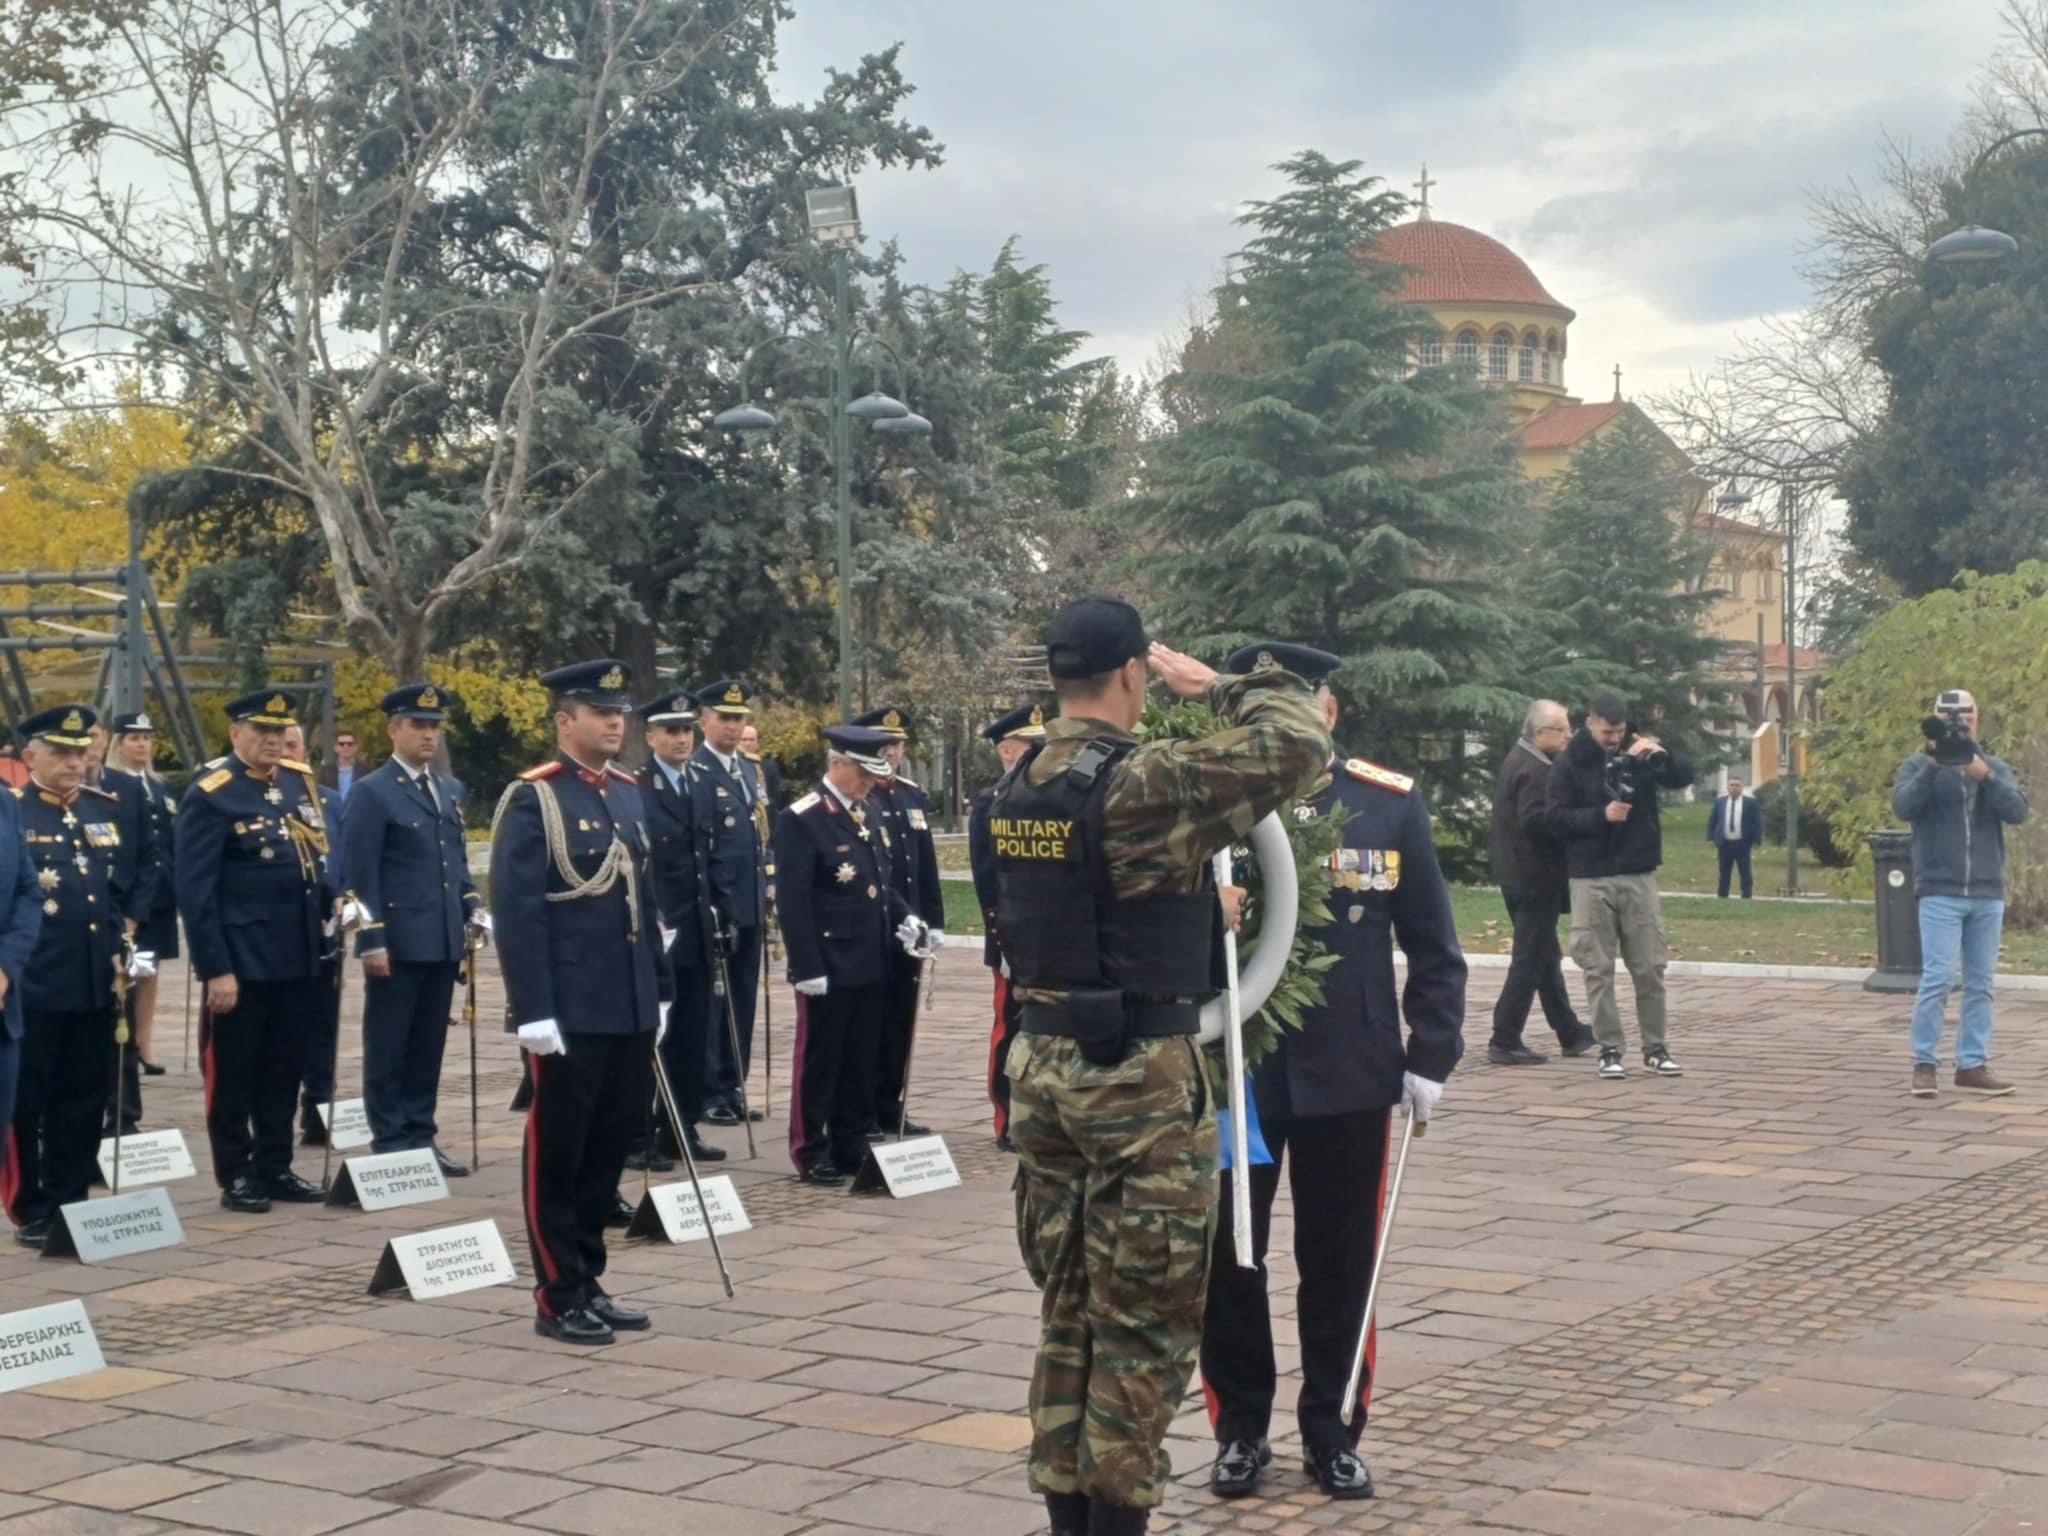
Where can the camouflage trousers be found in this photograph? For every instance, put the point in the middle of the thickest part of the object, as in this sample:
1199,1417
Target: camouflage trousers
1116,1200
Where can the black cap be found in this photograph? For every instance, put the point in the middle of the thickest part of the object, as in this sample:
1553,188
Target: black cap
863,745
891,721
672,708
64,726
728,696
266,706
133,724
602,683
1093,636
1025,720
416,701
1304,661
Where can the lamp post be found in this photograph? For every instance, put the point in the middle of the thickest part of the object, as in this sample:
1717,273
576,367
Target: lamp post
834,218
1975,243
1788,501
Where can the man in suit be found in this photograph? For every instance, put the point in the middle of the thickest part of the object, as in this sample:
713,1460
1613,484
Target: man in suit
408,868
1734,826
1012,734
341,774
732,831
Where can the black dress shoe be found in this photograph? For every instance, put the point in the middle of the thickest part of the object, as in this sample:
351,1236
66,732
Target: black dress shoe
718,1114
612,1315
649,1160
33,1234
702,1151
1338,1472
1576,1045
292,1189
245,1193
823,1174
578,1325
1516,1055
622,1212
1237,1468
912,1128
153,1069
875,1133
450,1169
312,1134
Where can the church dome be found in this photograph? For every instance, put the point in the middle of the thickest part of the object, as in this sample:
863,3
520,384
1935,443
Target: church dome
1450,264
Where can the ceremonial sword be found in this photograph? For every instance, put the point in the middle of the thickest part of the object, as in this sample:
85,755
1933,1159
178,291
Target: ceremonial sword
1409,1131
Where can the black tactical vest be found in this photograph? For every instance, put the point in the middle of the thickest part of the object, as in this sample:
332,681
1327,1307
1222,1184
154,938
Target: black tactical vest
1062,928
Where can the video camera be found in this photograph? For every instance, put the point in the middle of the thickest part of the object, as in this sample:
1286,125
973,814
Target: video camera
1631,778
1948,734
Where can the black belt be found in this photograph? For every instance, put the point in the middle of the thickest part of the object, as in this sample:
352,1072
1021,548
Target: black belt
1147,1019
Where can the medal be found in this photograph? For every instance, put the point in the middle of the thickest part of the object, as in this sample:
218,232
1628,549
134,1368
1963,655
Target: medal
50,907
48,879
70,820
846,874
871,893
84,864
274,795
268,852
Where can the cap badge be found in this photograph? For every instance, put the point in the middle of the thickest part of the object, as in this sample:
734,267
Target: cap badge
73,721
1266,660
142,723
734,695
892,721
1038,714
613,680
429,699
276,704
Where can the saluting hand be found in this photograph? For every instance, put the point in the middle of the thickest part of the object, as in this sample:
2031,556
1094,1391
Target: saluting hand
1185,676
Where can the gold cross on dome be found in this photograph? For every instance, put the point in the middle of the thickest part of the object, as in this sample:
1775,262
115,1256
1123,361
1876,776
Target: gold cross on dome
1423,186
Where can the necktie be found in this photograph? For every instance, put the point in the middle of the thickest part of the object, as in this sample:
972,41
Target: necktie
426,782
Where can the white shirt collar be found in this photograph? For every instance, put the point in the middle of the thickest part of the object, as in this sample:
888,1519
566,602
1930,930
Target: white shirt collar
833,790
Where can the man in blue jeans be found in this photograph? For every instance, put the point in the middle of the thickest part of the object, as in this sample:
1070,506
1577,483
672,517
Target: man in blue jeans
1959,801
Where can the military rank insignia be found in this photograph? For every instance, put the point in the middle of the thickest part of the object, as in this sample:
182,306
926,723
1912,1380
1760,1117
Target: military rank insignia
1365,869
846,874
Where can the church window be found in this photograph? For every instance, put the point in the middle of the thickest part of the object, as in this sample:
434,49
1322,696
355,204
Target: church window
1467,349
1431,352
1766,582
1525,366
1735,581
1497,354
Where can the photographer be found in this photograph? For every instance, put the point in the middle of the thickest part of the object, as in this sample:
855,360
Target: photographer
1959,802
1601,804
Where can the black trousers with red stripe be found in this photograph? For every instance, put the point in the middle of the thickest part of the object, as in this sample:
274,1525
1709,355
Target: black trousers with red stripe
831,1103
587,1104
1336,1168
1009,1017
253,1057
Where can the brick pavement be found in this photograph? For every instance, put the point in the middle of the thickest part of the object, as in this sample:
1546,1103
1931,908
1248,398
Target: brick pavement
1776,1295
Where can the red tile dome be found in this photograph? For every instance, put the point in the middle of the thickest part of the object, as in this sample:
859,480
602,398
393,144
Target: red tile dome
1450,264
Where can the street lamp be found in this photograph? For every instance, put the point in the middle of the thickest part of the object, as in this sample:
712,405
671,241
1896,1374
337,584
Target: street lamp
1974,242
1730,500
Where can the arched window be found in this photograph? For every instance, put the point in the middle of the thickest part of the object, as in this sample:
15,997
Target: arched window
1466,349
1497,354
1431,351
1734,580
1766,582
1553,361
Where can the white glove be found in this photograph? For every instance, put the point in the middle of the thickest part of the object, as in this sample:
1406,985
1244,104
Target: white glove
480,920
815,987
543,1039
1420,1095
141,964
912,933
661,1024
353,913
935,941
668,936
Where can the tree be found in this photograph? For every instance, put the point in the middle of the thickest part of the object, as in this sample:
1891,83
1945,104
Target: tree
1614,581
1318,489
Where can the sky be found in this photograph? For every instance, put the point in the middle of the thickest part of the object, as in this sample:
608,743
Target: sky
1651,162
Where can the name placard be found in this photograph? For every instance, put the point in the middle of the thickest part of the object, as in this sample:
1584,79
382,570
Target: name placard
905,1168
348,1126
154,1157
444,1262
387,1179
672,1211
45,1344
134,1221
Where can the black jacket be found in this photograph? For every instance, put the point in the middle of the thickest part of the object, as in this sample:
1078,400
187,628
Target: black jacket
1526,853
678,863
1575,809
833,893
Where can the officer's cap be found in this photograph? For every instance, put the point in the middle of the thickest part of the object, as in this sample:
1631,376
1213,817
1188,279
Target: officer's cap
1304,661
673,708
889,720
135,723
1093,636
862,746
64,726
1026,720
416,701
267,706
728,696
601,683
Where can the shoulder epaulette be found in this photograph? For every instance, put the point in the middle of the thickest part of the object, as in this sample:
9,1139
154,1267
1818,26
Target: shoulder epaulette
15,790
907,783
1373,773
544,771
797,808
616,772
285,762
104,794
214,780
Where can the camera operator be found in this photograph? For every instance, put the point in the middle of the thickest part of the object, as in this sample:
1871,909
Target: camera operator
1601,804
1959,801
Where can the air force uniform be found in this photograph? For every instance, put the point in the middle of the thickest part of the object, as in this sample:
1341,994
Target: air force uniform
733,829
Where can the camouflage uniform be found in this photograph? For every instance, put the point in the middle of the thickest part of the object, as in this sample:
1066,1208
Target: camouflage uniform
1116,1187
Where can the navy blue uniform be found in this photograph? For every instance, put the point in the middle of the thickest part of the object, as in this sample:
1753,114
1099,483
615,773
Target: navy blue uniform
680,898
67,992
140,872
323,1030
1008,1012
156,906
913,864
838,916
21,924
1323,1100
253,891
594,966
735,860
407,864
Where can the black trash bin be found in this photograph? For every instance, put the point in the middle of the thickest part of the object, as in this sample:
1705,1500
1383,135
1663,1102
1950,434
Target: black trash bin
1898,914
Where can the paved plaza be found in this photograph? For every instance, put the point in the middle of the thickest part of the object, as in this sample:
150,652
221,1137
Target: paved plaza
1775,1296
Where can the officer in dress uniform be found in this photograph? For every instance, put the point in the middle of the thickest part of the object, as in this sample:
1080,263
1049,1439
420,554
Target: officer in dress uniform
733,833
838,912
323,1031
913,864
408,867
137,872
21,925
253,891
1324,1099
1012,734
667,785
579,944
74,842
133,757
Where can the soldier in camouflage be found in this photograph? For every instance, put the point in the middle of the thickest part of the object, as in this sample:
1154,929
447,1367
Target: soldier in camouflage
1112,932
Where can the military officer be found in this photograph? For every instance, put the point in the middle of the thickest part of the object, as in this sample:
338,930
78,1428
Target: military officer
323,1032
1324,1098
1113,936
667,786
579,943
74,842
253,892
1012,733
134,757
732,827
838,912
21,925
408,868
138,873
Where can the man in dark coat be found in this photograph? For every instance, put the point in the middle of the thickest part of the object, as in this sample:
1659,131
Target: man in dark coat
732,830
1011,734
1528,866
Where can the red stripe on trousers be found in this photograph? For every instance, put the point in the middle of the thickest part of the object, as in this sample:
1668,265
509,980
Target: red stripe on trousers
1379,1222
10,1176
1214,1405
995,1044
796,1080
550,1270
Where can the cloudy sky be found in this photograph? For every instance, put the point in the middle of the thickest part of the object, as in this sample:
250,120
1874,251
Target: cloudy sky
1651,162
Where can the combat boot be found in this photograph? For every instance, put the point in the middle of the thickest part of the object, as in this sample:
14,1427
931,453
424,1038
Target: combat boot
1116,1519
1068,1513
